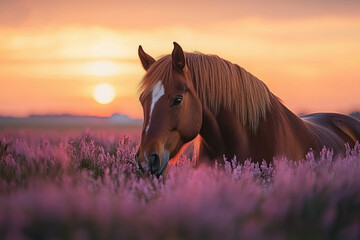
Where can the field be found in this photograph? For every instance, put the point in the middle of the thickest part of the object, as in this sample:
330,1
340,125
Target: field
74,184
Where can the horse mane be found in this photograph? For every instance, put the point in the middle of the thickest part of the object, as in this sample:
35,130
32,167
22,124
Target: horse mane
219,84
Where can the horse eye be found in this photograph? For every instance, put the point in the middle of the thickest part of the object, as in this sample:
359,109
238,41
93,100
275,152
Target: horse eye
177,101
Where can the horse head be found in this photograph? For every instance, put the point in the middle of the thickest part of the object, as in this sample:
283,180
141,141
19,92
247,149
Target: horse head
172,110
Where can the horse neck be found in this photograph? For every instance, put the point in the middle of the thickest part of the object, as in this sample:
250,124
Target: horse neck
283,133
226,131
225,134
278,118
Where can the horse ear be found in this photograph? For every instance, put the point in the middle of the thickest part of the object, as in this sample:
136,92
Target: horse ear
178,57
146,59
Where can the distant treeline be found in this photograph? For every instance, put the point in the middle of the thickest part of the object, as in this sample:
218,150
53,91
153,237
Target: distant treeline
67,120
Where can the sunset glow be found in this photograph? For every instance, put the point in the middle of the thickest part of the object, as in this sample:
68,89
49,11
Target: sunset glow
307,54
102,68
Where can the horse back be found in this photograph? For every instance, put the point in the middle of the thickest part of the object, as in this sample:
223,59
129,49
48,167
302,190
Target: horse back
334,130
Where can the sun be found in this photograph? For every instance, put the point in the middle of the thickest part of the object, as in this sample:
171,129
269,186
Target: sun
104,93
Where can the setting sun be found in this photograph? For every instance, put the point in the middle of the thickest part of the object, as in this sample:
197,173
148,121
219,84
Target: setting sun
104,93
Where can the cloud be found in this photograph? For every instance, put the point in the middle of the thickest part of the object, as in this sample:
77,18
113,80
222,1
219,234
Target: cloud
148,14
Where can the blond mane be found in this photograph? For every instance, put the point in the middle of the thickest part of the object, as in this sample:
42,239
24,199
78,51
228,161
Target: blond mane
219,84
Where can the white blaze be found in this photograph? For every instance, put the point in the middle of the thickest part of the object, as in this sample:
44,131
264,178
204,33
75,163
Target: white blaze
157,93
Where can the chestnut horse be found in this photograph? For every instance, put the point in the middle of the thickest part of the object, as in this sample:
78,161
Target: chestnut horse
184,95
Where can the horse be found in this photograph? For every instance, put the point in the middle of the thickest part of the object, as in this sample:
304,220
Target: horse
185,95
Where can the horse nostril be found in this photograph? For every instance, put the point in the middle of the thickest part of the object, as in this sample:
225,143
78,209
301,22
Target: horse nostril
154,162
141,167
137,161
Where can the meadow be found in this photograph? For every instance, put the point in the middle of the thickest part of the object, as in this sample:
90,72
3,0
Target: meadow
84,184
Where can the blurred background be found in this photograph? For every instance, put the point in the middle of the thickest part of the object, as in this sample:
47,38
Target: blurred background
80,57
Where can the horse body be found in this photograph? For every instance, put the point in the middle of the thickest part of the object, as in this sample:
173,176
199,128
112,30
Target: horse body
283,134
332,130
234,113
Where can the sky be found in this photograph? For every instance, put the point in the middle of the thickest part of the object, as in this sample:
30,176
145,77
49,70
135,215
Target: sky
54,53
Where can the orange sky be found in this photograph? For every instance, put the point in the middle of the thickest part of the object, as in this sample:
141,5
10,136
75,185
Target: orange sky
53,53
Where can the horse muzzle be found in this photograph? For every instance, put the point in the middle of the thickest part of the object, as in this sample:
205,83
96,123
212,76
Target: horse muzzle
153,163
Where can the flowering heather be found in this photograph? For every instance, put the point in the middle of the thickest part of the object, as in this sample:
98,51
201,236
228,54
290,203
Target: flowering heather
85,185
